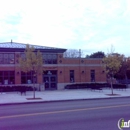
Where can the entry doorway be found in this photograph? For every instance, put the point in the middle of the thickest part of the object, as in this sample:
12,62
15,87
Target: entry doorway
50,79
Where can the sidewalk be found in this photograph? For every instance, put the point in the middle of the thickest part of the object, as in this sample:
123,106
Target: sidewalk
60,95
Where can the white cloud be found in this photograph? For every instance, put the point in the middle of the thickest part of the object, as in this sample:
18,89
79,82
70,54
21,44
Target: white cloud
85,24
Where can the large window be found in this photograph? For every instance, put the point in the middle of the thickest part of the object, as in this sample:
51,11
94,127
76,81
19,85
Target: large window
23,55
71,75
7,77
49,58
92,74
7,58
28,78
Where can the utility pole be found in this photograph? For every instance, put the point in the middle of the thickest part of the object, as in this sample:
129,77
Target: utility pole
79,53
80,63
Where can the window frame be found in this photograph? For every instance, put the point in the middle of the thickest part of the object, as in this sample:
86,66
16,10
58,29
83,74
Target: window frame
92,75
72,76
5,58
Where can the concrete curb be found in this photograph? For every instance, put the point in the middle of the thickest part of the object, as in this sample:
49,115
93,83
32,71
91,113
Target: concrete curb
20,103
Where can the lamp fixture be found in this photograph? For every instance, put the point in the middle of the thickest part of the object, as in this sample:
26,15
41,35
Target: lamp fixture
103,71
83,72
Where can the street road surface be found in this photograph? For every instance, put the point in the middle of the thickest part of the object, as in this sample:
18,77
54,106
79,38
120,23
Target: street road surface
102,114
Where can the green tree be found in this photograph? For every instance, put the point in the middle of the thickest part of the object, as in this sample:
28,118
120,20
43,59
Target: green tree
112,63
98,54
125,66
32,61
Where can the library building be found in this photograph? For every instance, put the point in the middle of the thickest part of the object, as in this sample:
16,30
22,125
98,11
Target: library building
58,71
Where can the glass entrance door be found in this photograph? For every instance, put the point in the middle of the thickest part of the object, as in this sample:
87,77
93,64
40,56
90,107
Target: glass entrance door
50,80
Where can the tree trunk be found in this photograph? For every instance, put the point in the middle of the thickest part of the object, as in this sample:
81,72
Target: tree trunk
111,86
34,85
34,90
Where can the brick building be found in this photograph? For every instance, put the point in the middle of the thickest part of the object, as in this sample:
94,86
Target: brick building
57,70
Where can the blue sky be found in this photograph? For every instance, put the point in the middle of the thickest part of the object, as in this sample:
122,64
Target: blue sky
89,25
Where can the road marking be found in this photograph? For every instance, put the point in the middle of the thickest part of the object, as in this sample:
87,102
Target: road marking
63,111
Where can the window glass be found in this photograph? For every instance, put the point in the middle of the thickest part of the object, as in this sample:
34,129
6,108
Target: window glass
1,73
44,56
6,73
11,58
54,56
1,61
50,58
92,74
7,77
7,58
11,72
1,58
71,75
27,78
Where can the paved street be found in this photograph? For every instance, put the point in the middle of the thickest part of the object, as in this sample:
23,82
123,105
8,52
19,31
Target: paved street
101,114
